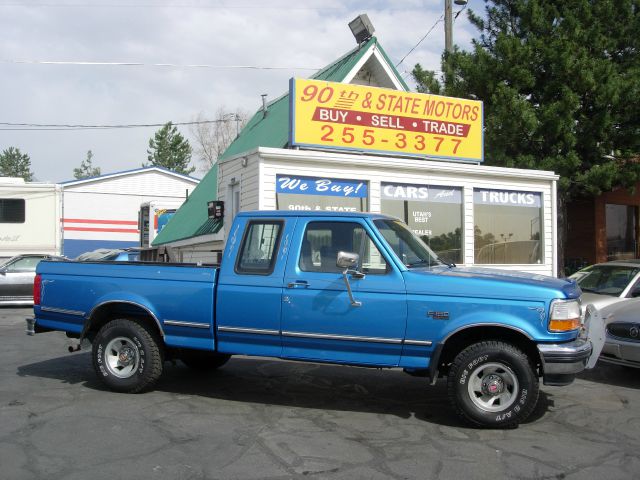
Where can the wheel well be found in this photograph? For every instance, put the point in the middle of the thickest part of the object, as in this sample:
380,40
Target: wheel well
110,311
462,339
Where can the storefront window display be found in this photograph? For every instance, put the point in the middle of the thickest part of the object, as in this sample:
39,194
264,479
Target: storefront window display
434,213
507,227
321,194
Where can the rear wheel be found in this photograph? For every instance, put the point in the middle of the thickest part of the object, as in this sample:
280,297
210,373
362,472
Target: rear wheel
199,360
493,384
127,356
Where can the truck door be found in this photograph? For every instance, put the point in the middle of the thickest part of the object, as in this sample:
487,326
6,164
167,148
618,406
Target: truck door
319,321
249,292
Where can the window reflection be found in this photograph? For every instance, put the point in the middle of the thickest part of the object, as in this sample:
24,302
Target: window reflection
507,227
434,213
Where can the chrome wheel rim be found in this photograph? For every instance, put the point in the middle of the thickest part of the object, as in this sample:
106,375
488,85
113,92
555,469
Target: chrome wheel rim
122,357
493,387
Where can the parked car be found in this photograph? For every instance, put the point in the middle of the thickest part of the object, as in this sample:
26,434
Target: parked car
110,255
622,342
16,278
607,283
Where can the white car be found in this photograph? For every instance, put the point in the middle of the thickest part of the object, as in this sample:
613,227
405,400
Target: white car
622,343
607,283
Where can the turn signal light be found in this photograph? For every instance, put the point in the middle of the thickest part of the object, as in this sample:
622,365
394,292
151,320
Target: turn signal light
37,289
564,325
564,316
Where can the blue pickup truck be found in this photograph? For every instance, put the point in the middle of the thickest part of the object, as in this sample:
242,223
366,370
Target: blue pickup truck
354,289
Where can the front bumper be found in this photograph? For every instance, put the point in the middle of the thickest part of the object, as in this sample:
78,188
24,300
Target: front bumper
620,352
562,361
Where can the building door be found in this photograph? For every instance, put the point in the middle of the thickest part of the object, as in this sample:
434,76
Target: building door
622,231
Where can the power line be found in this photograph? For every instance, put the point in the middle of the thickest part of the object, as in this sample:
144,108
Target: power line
141,64
421,40
168,5
62,127
427,34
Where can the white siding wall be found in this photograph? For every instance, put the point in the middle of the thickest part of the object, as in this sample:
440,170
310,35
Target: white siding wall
248,182
146,183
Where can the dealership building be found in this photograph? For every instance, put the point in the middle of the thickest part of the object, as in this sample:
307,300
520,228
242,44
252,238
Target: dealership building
353,138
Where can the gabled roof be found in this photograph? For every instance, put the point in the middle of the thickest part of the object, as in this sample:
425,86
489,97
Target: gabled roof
192,218
135,171
272,130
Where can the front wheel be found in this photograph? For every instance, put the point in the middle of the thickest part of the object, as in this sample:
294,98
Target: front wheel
493,384
127,356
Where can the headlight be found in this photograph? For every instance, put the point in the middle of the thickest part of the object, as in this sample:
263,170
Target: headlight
565,315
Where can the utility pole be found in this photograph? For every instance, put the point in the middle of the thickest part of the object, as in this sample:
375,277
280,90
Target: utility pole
448,27
448,23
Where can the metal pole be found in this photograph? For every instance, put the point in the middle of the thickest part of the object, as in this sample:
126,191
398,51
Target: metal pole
448,26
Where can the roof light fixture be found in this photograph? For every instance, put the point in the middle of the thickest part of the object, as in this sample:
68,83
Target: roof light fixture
362,28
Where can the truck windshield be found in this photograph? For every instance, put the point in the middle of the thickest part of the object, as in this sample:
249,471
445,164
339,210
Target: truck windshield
412,251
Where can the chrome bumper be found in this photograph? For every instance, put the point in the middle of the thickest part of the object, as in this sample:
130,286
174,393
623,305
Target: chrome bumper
562,361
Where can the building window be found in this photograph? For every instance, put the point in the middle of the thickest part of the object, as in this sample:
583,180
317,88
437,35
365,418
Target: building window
259,248
434,213
508,227
323,240
320,194
621,231
12,210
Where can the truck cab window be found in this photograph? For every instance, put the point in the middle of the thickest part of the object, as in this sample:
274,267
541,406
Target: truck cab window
323,240
259,248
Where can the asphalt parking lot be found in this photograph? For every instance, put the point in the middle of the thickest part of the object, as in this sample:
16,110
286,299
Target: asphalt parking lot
268,419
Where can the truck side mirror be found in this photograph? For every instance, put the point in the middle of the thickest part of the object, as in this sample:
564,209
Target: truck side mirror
348,261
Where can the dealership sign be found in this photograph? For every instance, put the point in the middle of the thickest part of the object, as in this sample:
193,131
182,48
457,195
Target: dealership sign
507,198
354,117
321,186
427,193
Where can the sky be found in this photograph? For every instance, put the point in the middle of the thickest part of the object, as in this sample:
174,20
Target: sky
283,38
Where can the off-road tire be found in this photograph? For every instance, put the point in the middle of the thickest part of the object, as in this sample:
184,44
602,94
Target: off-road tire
138,345
203,361
493,371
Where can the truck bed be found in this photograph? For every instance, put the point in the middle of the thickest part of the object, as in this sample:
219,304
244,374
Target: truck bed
180,297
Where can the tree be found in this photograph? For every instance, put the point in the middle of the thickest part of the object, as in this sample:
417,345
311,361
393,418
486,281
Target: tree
14,163
169,149
213,138
560,82
86,169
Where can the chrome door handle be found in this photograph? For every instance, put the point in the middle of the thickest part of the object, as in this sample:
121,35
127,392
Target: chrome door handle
298,284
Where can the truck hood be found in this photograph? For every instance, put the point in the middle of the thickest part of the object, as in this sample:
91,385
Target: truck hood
488,283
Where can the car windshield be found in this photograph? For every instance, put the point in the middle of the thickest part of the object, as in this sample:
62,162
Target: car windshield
605,279
412,251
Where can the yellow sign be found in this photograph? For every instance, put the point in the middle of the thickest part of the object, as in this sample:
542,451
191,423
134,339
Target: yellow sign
355,117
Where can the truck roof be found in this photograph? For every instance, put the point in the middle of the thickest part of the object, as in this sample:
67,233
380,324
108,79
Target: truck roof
311,213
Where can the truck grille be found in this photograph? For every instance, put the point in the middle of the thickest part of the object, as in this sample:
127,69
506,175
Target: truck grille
625,330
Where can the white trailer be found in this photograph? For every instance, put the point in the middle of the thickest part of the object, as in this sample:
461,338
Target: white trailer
29,217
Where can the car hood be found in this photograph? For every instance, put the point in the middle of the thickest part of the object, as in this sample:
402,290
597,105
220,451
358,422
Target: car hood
599,301
488,282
